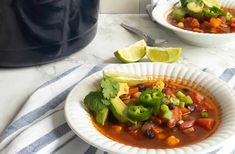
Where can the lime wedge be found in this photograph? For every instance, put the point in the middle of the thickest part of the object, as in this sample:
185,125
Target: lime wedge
168,55
132,53
130,79
211,3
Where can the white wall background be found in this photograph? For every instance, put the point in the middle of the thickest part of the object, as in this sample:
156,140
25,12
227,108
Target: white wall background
123,6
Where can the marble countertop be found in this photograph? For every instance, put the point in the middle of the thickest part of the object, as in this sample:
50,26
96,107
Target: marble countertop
16,85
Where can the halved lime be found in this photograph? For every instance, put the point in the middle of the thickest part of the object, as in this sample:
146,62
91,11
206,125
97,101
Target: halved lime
211,3
132,53
130,79
168,55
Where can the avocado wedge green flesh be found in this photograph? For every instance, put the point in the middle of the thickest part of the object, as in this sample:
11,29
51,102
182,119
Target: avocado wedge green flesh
102,115
119,110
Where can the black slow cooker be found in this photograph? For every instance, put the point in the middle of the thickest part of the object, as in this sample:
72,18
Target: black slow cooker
35,32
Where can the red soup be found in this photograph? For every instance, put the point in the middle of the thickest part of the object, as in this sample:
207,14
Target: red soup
186,116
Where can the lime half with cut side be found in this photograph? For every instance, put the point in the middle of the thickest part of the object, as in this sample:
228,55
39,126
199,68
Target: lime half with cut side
132,53
168,55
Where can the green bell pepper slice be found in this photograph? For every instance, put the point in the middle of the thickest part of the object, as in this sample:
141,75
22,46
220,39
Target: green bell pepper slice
138,113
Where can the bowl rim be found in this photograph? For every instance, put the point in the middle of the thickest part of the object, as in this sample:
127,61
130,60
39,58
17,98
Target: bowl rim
166,8
109,149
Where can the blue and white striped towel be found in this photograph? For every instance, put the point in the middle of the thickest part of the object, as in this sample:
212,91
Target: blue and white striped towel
40,126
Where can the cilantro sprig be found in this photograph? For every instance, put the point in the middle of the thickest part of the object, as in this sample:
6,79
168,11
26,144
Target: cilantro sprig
110,87
95,101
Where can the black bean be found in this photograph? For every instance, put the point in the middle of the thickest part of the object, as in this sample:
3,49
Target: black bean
171,106
142,87
185,91
149,133
191,107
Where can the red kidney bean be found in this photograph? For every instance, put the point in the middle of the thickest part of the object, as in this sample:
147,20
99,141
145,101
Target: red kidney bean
187,124
188,130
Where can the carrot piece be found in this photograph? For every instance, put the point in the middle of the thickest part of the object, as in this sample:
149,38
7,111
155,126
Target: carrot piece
172,141
207,123
177,113
161,136
157,130
215,22
117,128
133,90
185,111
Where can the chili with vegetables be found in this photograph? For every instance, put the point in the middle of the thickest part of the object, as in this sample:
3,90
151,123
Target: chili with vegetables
152,114
197,16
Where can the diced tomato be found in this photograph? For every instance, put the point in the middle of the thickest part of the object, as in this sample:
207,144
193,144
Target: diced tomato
196,97
201,108
207,123
233,22
177,113
133,90
195,23
208,104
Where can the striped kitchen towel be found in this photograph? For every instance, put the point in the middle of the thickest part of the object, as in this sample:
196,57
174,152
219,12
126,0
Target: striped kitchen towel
40,126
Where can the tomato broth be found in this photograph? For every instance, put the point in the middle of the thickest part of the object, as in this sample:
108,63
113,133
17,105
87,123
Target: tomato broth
134,135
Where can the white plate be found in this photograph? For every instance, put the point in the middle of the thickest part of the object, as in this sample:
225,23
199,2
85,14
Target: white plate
80,122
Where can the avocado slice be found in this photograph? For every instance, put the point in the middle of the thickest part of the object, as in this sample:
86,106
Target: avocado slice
119,110
178,13
101,116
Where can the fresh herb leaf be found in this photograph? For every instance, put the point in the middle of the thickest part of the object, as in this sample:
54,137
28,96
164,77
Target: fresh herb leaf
110,87
94,101
106,102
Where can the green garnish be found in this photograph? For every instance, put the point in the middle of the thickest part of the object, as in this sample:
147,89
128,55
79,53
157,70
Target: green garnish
175,100
180,95
94,101
110,87
204,114
138,113
151,98
167,114
182,104
188,100
98,105
184,98
213,12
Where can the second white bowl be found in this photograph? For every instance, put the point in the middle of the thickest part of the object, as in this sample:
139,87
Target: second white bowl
162,10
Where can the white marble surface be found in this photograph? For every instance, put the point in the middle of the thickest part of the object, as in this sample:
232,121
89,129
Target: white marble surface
16,85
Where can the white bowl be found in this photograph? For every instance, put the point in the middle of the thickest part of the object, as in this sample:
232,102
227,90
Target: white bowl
80,121
164,7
